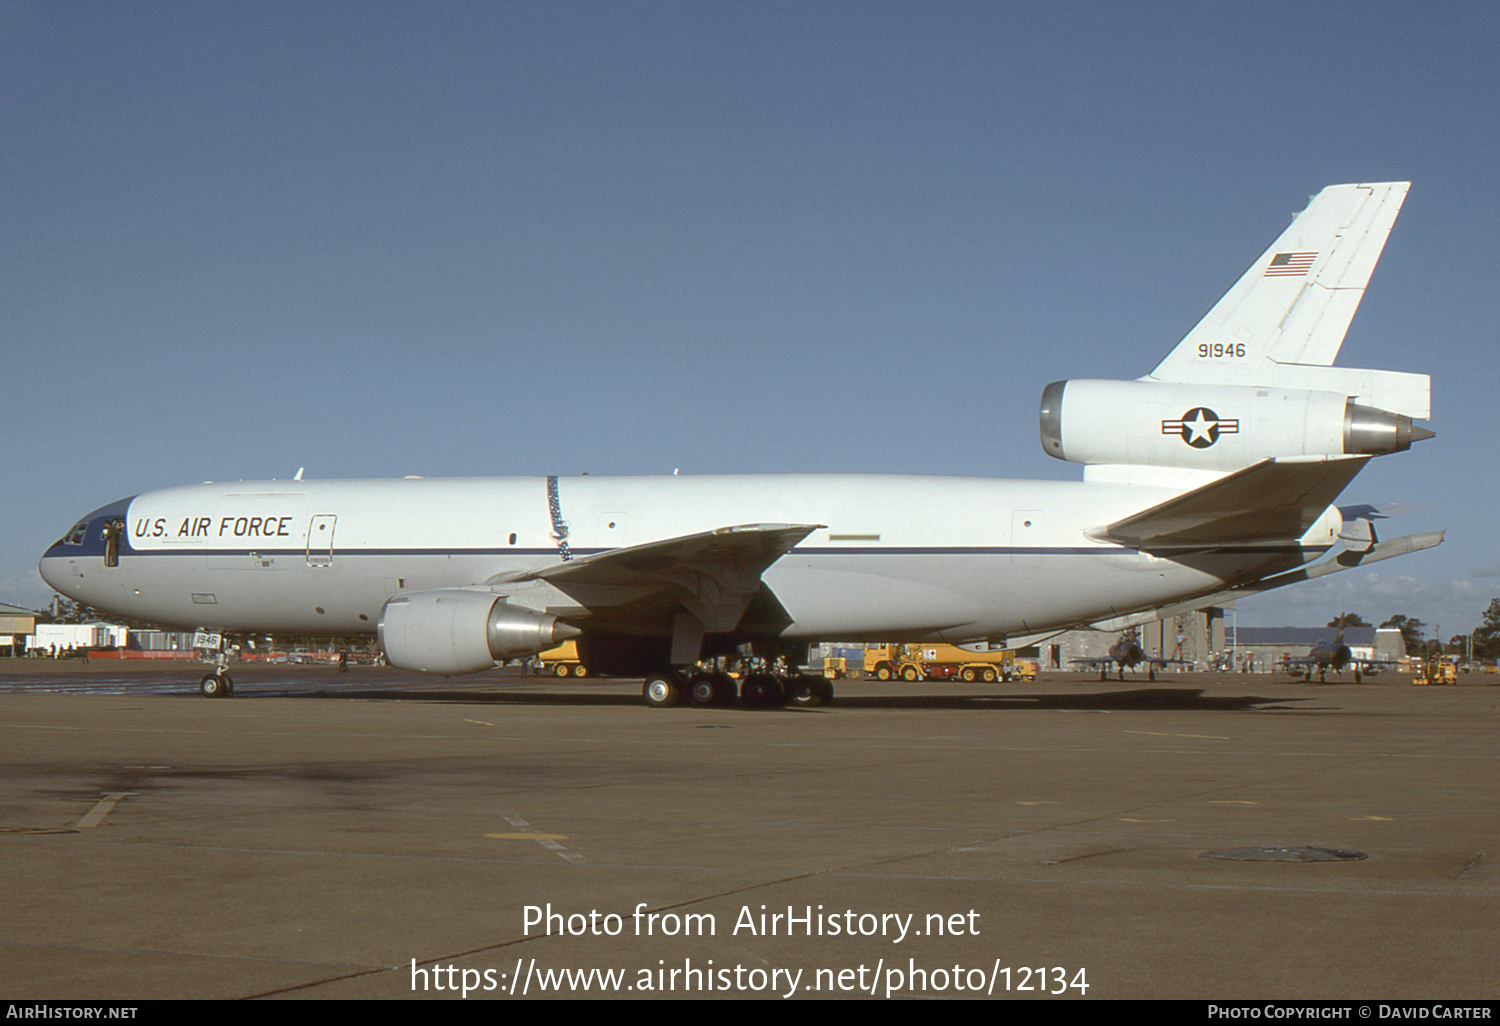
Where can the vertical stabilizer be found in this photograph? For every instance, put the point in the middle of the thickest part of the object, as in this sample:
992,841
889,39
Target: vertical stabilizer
1289,312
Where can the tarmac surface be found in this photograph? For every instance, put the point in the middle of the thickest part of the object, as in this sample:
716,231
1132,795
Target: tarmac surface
376,834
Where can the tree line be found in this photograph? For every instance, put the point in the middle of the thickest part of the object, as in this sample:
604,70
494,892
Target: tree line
1486,637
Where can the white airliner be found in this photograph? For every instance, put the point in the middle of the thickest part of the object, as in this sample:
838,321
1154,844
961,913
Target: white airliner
1214,476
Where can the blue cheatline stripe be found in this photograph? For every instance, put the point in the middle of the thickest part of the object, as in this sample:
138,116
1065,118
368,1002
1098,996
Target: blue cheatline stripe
916,550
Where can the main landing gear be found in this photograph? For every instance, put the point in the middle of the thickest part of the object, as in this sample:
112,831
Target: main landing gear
755,690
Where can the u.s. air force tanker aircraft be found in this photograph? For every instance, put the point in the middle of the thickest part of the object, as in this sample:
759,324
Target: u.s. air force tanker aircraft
1212,477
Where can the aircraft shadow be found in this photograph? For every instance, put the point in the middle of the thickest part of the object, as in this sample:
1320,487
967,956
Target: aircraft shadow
1139,699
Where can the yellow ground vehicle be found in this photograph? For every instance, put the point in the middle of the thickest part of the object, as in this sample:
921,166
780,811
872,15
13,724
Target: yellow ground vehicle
563,661
1436,671
1025,669
944,662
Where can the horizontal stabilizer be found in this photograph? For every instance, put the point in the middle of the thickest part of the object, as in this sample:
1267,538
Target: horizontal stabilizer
1273,500
1377,511
1343,561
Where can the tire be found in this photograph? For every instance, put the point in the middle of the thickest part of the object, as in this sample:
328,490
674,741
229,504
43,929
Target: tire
560,670
706,690
989,675
216,685
969,675
910,674
662,692
808,692
762,691
883,673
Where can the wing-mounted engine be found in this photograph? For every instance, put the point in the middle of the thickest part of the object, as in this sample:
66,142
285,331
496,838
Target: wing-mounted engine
1215,427
463,630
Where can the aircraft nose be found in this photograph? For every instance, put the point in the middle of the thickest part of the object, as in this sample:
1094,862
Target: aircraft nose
60,566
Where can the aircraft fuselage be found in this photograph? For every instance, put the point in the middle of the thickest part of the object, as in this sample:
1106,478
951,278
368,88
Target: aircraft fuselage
900,558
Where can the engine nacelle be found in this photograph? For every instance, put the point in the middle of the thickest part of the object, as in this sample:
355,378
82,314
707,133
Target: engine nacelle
459,630
1210,427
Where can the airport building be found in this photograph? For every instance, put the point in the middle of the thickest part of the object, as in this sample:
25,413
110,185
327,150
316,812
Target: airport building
54,638
1197,637
16,626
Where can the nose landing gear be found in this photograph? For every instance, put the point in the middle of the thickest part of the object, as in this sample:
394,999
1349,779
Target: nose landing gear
216,684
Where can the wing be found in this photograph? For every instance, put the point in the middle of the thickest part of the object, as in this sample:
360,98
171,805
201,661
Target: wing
1273,500
713,575
1094,661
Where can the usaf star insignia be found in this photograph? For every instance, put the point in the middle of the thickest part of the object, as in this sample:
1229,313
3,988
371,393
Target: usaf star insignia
1200,427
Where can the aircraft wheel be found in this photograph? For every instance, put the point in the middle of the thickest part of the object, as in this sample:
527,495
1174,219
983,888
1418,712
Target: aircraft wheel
662,691
706,689
1151,673
809,692
216,685
762,691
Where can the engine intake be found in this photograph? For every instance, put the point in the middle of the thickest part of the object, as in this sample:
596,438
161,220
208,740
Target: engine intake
457,630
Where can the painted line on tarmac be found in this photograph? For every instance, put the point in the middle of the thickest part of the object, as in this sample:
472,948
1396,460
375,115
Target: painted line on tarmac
96,815
548,841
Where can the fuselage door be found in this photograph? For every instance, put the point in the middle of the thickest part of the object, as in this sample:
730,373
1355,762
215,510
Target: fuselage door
320,540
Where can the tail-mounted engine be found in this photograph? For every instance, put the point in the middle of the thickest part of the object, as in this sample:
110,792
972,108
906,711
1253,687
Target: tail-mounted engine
460,630
1210,426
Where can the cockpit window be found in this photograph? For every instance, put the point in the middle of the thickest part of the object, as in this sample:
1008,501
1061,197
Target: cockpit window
76,536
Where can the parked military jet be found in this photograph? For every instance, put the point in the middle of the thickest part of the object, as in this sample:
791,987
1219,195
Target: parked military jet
1335,657
1126,654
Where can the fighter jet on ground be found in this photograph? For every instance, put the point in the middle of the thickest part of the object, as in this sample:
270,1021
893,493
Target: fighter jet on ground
1335,657
1126,654
1211,478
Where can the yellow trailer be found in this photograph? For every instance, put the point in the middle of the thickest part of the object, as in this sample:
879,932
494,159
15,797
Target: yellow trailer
563,661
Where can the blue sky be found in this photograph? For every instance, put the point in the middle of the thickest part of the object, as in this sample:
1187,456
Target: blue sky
375,239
